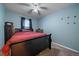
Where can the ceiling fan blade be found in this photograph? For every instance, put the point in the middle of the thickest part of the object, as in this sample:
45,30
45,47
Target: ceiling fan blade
44,8
30,11
36,4
25,4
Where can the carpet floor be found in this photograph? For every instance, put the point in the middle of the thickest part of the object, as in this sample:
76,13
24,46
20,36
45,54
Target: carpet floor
58,51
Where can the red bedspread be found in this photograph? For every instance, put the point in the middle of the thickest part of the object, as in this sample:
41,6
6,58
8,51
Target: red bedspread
19,37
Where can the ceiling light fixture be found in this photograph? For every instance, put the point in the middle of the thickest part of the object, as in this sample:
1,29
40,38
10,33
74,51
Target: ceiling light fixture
36,8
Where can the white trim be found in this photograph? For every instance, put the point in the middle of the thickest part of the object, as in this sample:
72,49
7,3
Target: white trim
64,47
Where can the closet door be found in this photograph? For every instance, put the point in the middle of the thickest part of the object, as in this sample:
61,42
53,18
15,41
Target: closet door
8,28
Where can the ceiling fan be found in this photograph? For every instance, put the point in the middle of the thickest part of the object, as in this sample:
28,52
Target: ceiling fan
36,7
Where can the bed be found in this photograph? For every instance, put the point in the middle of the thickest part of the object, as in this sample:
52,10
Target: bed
28,43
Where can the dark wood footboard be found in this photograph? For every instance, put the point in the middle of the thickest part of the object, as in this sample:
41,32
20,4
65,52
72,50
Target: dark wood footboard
31,47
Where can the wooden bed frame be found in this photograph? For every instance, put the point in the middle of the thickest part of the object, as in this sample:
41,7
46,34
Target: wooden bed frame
31,47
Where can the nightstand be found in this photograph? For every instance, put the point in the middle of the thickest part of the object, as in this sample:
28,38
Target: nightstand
39,30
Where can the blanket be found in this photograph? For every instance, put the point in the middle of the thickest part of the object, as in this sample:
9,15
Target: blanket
19,37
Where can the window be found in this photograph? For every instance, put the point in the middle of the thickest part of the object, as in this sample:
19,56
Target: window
26,24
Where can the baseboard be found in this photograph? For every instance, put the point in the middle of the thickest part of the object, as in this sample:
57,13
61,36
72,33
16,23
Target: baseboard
65,47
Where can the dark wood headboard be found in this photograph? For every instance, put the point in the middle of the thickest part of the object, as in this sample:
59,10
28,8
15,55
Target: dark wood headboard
8,30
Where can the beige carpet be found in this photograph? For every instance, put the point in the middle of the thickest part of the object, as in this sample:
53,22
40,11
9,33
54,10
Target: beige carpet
58,51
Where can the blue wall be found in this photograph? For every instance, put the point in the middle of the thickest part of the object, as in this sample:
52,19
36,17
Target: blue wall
14,17
63,33
1,25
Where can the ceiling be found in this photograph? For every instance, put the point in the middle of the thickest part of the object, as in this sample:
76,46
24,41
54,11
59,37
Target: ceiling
23,9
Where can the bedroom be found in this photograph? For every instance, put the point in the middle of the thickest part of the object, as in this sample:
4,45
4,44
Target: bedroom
58,19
